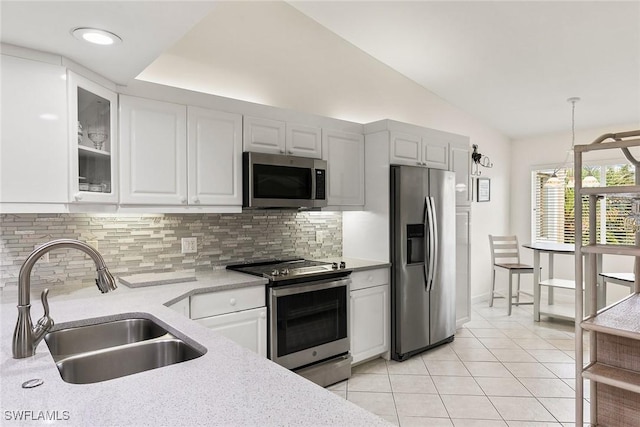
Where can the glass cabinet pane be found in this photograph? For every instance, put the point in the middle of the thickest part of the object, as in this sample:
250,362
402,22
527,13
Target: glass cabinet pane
94,143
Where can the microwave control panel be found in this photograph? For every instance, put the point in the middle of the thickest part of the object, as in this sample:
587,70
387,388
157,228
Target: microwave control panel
320,184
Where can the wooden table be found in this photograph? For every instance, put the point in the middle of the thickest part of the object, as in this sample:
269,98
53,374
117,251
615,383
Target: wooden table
552,282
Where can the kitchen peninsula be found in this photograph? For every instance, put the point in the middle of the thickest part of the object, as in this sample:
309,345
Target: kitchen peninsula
228,385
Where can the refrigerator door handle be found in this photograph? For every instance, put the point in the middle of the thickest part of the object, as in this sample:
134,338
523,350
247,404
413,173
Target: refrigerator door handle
427,244
433,241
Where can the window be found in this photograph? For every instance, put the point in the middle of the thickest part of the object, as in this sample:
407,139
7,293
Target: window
553,210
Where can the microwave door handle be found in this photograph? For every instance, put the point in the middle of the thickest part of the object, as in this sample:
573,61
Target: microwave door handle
314,177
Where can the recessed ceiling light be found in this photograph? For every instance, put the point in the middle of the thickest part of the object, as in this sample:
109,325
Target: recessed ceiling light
96,36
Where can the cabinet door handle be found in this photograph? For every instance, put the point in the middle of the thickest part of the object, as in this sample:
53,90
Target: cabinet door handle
290,151
263,315
281,151
78,196
232,301
196,200
183,200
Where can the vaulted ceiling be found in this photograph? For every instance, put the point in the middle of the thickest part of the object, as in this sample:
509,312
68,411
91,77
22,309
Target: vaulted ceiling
512,64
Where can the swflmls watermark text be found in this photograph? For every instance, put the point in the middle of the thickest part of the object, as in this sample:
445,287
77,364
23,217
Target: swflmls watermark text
31,415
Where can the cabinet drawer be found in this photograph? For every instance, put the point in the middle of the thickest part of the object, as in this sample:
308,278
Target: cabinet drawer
214,303
368,278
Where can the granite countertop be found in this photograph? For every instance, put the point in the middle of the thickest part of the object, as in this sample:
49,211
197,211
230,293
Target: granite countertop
229,385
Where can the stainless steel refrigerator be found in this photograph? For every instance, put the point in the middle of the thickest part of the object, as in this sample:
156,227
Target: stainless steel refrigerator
423,257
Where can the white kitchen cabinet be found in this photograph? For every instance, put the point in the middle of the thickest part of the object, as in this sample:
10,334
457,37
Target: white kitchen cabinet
247,328
369,314
178,155
264,135
93,124
153,161
344,153
463,265
34,154
239,314
304,141
181,306
460,164
278,137
214,157
416,150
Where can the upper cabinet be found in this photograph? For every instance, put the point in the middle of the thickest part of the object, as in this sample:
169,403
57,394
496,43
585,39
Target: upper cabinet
153,161
264,135
93,124
214,149
460,163
34,154
178,155
417,150
304,141
344,153
277,137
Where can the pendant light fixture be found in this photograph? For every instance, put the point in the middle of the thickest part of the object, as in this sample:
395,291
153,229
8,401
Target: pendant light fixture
554,181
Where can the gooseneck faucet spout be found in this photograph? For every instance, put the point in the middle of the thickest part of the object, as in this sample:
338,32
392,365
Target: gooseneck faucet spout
26,337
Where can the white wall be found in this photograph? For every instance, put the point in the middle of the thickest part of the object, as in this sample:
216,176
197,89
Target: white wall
550,151
302,66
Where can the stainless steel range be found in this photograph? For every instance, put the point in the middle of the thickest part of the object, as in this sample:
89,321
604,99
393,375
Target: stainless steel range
308,310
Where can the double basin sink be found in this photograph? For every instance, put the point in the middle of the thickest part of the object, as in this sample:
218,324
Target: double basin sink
108,349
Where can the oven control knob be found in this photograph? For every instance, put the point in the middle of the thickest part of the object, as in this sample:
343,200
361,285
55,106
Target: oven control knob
342,264
284,271
275,273
334,265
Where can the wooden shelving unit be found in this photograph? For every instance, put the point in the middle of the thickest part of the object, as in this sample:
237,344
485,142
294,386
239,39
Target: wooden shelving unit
614,332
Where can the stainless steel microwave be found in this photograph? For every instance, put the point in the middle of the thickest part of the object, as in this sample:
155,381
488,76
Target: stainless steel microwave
279,181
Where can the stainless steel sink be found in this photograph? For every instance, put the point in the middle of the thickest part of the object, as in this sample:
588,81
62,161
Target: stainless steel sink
113,349
82,339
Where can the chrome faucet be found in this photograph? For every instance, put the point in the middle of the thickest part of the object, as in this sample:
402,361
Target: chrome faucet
26,337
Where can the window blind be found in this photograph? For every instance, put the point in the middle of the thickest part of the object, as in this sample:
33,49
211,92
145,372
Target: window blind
554,211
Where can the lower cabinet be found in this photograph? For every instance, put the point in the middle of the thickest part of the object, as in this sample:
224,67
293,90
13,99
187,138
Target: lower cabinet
181,307
238,314
369,314
247,328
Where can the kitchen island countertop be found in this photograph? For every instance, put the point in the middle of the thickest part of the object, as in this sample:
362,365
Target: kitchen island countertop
228,386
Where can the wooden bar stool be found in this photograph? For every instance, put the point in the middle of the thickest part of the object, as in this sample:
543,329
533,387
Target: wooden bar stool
505,254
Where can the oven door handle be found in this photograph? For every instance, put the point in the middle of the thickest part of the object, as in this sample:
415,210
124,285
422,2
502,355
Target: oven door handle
309,287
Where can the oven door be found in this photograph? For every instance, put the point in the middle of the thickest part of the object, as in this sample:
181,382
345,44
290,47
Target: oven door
309,322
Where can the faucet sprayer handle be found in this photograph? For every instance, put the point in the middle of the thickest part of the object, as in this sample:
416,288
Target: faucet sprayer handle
45,323
44,297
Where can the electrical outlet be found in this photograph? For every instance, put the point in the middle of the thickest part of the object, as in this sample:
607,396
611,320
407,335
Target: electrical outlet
189,245
319,236
43,258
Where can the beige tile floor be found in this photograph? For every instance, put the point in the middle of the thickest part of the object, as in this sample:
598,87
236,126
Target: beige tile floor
499,371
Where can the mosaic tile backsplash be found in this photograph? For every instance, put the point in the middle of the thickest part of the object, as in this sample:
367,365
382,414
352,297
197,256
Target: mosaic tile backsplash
133,244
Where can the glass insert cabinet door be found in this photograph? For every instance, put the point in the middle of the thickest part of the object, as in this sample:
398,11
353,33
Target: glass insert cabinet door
93,141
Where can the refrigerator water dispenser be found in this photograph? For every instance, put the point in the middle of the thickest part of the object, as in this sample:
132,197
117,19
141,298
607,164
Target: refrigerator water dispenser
415,243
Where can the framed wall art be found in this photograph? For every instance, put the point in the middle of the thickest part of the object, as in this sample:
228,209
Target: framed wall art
483,191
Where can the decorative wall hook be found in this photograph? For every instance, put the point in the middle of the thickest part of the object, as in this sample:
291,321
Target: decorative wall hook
479,160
